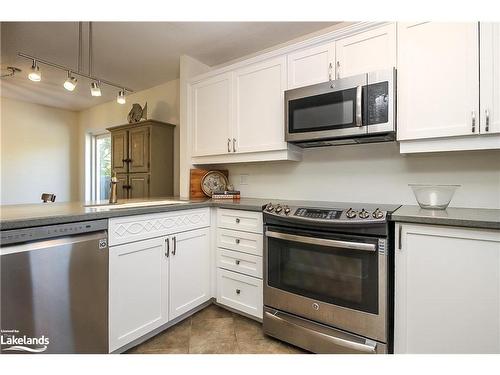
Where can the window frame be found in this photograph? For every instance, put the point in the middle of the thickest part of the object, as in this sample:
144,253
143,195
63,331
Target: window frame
94,180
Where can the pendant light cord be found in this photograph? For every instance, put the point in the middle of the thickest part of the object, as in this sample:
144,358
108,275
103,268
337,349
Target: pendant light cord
90,50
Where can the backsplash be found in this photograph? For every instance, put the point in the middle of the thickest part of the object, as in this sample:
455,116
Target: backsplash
372,173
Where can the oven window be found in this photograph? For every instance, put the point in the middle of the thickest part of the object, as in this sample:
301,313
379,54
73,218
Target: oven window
334,110
342,277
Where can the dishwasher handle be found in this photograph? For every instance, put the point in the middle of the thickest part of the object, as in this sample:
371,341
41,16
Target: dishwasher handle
100,236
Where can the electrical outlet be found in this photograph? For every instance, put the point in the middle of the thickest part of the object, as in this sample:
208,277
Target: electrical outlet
244,179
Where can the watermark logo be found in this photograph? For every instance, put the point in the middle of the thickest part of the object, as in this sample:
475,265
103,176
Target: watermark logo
11,340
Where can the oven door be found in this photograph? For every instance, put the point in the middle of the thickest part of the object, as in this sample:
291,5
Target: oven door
338,280
326,110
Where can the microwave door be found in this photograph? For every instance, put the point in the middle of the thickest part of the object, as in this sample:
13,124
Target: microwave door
327,110
379,98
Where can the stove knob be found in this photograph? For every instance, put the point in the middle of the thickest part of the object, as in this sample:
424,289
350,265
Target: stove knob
278,209
351,214
364,214
287,210
269,207
377,214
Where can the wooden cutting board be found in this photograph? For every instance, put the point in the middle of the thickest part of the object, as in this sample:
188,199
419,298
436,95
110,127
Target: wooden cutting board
195,177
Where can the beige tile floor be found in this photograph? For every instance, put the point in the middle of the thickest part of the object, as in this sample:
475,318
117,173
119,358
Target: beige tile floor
214,330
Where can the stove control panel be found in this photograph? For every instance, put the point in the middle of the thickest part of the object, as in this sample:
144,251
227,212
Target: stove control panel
326,214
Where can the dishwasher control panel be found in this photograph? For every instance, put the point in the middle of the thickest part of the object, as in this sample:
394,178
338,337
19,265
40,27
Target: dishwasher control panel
14,236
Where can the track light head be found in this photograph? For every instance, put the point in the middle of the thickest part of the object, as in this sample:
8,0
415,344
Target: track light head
120,99
95,90
35,75
70,82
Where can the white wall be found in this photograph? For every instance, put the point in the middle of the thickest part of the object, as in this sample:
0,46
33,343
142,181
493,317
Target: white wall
163,105
38,152
373,173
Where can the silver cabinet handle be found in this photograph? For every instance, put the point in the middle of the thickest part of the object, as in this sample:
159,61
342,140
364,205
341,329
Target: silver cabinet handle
167,247
237,240
234,144
359,116
330,67
487,113
473,121
229,145
237,262
174,240
323,241
238,291
338,70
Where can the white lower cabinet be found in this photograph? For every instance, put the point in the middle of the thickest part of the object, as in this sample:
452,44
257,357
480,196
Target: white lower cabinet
447,288
189,271
153,281
240,292
138,290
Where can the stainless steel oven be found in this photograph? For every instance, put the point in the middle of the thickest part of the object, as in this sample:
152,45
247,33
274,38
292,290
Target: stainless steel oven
326,279
357,109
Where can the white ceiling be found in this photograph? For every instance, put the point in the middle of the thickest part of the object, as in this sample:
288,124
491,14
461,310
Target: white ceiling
138,55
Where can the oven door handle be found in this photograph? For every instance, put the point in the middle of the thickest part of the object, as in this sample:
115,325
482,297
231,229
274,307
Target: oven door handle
323,241
368,347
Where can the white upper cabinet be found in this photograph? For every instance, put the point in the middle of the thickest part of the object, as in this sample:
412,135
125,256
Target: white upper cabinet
438,80
189,271
490,78
259,106
211,114
311,65
366,52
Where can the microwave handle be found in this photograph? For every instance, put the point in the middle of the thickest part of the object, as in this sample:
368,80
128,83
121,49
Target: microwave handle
359,116
323,241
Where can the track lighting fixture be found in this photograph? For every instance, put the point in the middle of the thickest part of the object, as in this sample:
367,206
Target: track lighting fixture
95,89
70,82
35,74
120,99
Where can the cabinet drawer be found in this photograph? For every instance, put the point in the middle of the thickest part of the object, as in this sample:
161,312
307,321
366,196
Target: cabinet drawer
240,292
241,220
247,264
245,242
141,227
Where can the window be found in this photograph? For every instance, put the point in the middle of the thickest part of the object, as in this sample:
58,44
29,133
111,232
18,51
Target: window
100,166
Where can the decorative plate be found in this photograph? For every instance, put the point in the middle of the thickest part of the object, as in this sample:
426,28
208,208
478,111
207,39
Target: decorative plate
213,181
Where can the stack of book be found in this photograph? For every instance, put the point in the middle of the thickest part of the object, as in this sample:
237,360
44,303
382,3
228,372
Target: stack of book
231,194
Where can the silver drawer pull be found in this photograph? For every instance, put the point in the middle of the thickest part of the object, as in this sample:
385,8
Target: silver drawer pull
237,262
237,220
473,116
487,113
238,291
237,240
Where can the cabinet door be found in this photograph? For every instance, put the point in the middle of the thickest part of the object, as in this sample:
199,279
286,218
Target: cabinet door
189,270
210,112
259,106
366,52
138,290
122,186
138,185
447,290
119,147
490,77
139,149
438,80
311,65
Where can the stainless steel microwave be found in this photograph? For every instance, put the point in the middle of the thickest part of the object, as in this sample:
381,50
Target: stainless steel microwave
357,109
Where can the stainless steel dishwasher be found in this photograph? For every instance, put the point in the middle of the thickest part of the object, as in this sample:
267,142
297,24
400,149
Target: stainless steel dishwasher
54,289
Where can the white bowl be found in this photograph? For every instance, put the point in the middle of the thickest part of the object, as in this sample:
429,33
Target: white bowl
435,197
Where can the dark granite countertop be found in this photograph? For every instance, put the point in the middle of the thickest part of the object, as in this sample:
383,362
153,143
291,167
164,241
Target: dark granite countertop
461,217
32,215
